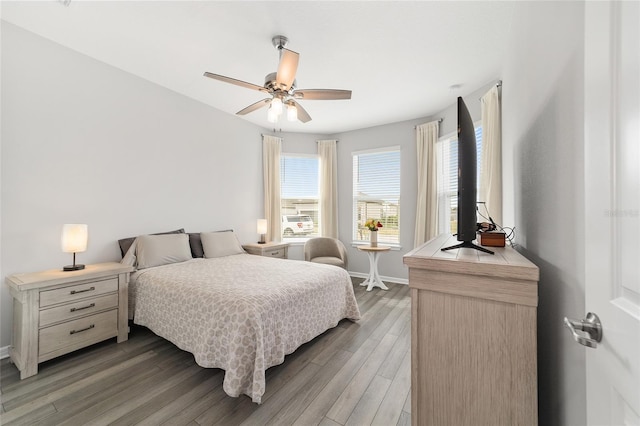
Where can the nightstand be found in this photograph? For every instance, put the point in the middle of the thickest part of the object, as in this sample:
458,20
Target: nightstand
279,250
57,312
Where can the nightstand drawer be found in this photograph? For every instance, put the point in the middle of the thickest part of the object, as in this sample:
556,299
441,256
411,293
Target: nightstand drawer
80,291
275,253
77,333
77,309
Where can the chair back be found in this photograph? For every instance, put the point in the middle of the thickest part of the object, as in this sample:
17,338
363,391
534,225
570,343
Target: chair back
325,247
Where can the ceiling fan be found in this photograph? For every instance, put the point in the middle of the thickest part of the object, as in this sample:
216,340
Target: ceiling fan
281,86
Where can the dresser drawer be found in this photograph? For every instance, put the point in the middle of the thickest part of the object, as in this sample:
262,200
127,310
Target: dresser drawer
77,309
78,333
275,253
79,291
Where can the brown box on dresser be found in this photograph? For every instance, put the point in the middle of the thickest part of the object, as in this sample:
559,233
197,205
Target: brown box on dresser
492,239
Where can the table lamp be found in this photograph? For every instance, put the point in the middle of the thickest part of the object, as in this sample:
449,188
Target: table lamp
74,240
262,230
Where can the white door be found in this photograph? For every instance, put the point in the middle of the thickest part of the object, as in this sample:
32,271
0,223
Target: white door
612,193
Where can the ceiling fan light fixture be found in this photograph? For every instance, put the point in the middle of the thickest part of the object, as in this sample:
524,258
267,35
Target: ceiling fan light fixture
276,105
292,112
272,115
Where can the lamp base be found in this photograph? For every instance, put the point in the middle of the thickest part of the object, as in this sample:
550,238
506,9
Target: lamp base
76,267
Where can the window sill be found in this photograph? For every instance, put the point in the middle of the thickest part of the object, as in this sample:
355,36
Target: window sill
296,241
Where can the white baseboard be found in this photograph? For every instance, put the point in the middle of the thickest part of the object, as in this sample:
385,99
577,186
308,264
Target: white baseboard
388,279
4,352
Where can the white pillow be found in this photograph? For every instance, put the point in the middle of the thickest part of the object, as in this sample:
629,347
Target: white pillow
156,250
218,244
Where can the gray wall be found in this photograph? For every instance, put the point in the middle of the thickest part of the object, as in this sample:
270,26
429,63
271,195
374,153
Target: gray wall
396,134
85,142
544,188
404,135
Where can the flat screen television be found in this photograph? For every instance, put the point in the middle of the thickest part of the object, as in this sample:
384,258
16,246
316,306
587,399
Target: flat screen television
467,176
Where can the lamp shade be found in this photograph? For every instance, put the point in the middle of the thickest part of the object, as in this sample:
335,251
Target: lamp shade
262,226
292,112
276,105
74,237
272,115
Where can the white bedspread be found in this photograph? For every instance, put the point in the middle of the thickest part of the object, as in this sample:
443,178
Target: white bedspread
242,313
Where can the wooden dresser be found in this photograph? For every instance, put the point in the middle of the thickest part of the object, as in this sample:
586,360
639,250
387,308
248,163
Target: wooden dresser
473,336
56,312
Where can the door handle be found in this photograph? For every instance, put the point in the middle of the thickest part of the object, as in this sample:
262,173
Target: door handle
587,332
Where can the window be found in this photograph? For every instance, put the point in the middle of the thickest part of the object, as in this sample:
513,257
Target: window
448,180
376,193
299,189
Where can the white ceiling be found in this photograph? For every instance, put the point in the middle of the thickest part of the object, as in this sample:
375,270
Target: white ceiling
398,57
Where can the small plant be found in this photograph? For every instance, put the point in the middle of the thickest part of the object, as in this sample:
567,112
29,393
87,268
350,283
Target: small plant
373,224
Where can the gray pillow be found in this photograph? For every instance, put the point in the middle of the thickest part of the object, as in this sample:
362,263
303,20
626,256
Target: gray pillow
156,250
196,243
218,244
125,243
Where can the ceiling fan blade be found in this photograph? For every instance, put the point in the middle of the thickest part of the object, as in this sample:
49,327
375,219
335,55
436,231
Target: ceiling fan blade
254,107
322,94
303,115
236,82
287,68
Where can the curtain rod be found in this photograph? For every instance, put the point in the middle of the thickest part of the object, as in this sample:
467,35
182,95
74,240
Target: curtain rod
498,84
328,140
439,121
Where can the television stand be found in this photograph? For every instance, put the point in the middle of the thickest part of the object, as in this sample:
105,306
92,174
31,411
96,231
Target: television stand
467,244
469,311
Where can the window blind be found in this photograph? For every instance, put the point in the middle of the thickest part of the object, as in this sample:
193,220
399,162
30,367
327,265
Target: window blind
376,193
298,176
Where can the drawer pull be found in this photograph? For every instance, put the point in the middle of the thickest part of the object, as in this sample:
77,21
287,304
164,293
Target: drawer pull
82,291
82,329
275,253
84,307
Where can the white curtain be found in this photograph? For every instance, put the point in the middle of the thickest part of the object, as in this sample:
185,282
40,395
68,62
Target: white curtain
328,188
271,147
427,200
491,169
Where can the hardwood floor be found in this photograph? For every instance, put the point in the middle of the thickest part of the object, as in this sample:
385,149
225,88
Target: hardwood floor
354,374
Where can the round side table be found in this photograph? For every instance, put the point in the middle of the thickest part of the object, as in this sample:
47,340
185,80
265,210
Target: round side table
374,278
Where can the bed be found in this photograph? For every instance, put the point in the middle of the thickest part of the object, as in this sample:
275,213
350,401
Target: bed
239,312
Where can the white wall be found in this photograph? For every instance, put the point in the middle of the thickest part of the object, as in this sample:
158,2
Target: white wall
85,142
543,187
